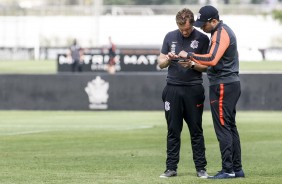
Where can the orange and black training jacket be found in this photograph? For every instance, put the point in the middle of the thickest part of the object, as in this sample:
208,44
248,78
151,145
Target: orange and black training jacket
222,57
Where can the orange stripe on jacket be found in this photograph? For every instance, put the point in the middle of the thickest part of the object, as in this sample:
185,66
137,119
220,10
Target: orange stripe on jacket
221,95
219,44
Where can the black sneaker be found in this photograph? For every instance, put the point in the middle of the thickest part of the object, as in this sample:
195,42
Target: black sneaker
168,173
202,174
222,175
239,174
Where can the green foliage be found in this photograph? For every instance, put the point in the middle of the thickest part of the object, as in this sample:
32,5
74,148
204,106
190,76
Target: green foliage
125,147
277,14
141,2
156,2
118,2
257,1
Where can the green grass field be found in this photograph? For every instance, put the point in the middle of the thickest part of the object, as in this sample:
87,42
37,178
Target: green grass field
125,147
28,67
50,67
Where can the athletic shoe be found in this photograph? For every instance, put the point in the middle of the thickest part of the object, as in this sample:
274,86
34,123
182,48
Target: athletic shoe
168,173
202,174
222,175
239,174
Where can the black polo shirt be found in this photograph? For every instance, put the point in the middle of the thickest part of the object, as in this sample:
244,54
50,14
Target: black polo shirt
197,42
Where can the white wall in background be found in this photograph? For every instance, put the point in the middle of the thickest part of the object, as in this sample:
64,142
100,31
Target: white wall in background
251,31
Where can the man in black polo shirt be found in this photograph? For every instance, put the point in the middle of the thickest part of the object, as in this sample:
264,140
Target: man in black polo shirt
183,95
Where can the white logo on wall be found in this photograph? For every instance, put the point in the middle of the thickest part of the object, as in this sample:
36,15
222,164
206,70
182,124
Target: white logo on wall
97,91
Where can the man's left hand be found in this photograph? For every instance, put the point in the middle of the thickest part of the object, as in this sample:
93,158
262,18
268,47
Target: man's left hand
186,63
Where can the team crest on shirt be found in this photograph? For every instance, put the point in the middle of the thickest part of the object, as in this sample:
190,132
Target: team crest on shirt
173,45
167,106
194,44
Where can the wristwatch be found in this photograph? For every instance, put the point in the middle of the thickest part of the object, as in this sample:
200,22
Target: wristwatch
189,55
192,64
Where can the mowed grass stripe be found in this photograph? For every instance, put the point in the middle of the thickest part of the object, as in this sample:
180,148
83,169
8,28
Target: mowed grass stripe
72,154
46,121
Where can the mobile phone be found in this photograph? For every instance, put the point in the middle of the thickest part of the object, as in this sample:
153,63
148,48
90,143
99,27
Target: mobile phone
178,59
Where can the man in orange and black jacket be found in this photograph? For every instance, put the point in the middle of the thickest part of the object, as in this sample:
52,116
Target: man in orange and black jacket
223,73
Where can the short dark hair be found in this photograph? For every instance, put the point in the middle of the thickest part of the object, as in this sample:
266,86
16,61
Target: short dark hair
184,15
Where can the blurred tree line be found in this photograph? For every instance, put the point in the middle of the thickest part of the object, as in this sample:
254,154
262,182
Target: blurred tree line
128,2
158,2
136,2
148,2
277,14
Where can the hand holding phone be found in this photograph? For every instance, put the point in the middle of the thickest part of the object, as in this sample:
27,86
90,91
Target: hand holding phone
179,59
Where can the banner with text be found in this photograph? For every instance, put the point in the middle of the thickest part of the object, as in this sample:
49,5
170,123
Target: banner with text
127,60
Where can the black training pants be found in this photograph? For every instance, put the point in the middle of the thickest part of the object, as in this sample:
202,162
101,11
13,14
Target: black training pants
184,102
223,100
